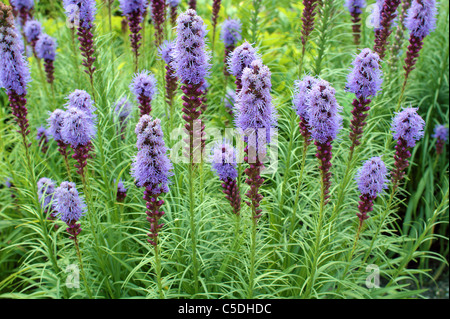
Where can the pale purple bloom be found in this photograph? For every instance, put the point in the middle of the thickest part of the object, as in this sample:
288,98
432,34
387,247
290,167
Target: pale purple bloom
365,78
372,177
421,18
302,90
165,51
355,6
408,125
151,166
68,204
78,127
223,160
144,84
22,4
81,100
254,109
241,58
129,6
84,9
32,30
441,132
46,47
190,58
121,191
55,122
323,111
46,189
231,32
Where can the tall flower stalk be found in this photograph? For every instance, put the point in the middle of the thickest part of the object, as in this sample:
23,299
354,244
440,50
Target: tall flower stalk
387,13
24,9
144,89
32,30
307,27
441,136
240,59
230,36
171,80
355,8
134,11
256,118
159,16
173,4
152,169
214,16
55,123
46,50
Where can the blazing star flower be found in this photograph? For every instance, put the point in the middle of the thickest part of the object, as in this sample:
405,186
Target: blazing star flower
308,19
240,59
86,10
173,4
42,138
190,58
46,189
165,52
24,9
144,89
355,6
32,31
151,166
81,100
441,134
302,91
223,160
55,122
14,71
78,127
387,13
69,205
408,126
421,18
230,35
371,179
46,47
121,191
159,16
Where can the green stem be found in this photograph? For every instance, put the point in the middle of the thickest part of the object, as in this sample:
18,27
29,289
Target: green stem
88,290
192,224
252,255
158,273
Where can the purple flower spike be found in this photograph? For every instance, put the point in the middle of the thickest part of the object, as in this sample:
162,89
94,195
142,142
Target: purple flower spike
55,122
42,138
230,35
78,130
240,59
325,123
70,207
355,8
82,101
302,91
32,31
144,89
441,134
388,12
46,50
165,51
407,128
123,110
223,162
159,16
24,9
215,15
14,71
191,65
372,180
364,81
173,4
121,191
308,19
46,189
420,21
193,4
151,169
256,116
134,11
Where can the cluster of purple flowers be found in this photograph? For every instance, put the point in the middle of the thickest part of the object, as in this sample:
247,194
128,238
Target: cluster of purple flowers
230,35
46,50
441,136
165,51
144,89
70,207
240,59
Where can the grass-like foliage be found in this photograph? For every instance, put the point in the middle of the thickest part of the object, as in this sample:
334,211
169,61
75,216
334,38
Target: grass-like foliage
304,244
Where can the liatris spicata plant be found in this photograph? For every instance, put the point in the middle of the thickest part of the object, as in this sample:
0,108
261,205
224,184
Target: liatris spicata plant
355,8
364,81
24,9
214,16
173,4
42,138
165,51
121,191
256,117
230,35
32,31
159,16
46,50
14,71
46,190
151,169
191,65
86,14
307,26
372,180
123,110
144,89
240,59
387,13
223,162
55,122
134,11
420,21
78,129
441,136
407,128
302,91
325,123
70,207
81,100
